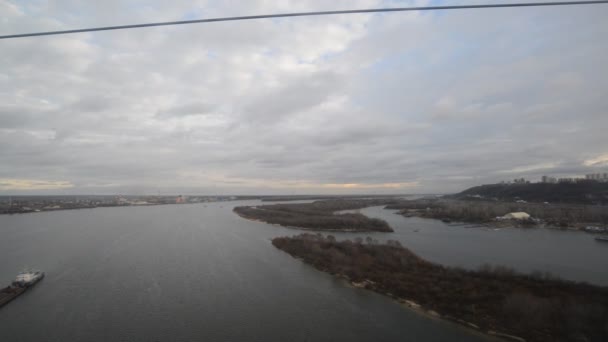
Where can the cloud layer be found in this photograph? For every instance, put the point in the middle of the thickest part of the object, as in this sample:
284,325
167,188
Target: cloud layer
383,103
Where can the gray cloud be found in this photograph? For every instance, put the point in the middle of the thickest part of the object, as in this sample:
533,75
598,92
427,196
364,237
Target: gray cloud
293,96
186,109
435,102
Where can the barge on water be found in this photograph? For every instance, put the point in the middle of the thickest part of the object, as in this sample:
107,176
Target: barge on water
601,238
22,283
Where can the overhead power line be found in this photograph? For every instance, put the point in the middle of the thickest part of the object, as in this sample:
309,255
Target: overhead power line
305,14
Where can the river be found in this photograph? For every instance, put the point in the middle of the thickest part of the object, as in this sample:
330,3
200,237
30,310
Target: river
201,273
571,255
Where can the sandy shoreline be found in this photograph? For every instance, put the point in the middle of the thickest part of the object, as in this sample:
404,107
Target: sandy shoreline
430,314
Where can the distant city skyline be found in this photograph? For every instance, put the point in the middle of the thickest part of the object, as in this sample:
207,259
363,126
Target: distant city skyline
374,103
601,177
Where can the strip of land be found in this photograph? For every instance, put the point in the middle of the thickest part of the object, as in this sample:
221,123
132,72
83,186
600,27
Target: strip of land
319,215
494,300
588,192
34,204
493,213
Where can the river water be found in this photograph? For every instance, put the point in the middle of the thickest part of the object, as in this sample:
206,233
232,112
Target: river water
568,254
201,273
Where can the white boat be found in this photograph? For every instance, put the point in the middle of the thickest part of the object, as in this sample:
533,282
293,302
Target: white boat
28,278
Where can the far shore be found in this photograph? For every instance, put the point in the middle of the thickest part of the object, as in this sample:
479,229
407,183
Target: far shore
495,213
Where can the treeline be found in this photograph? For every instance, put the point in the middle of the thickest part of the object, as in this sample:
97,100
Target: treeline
323,197
484,211
319,215
535,307
582,192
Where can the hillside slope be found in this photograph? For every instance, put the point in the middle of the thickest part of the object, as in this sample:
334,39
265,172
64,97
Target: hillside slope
581,192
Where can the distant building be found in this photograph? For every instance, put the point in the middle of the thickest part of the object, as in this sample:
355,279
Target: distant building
549,180
600,177
121,200
520,215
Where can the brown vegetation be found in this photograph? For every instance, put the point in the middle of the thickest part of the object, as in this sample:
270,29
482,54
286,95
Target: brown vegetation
319,215
536,307
479,211
286,198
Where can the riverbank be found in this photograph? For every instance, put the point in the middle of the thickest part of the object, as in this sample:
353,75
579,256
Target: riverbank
496,301
579,192
10,205
557,216
34,204
319,215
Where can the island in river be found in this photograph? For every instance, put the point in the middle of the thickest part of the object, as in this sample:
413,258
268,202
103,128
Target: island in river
497,301
319,215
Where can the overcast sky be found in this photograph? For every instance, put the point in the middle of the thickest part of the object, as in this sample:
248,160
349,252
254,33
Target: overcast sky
382,103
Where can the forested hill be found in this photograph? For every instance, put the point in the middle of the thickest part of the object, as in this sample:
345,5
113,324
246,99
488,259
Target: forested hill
586,192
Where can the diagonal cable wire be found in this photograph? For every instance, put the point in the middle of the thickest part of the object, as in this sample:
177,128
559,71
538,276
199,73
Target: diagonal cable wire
305,14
